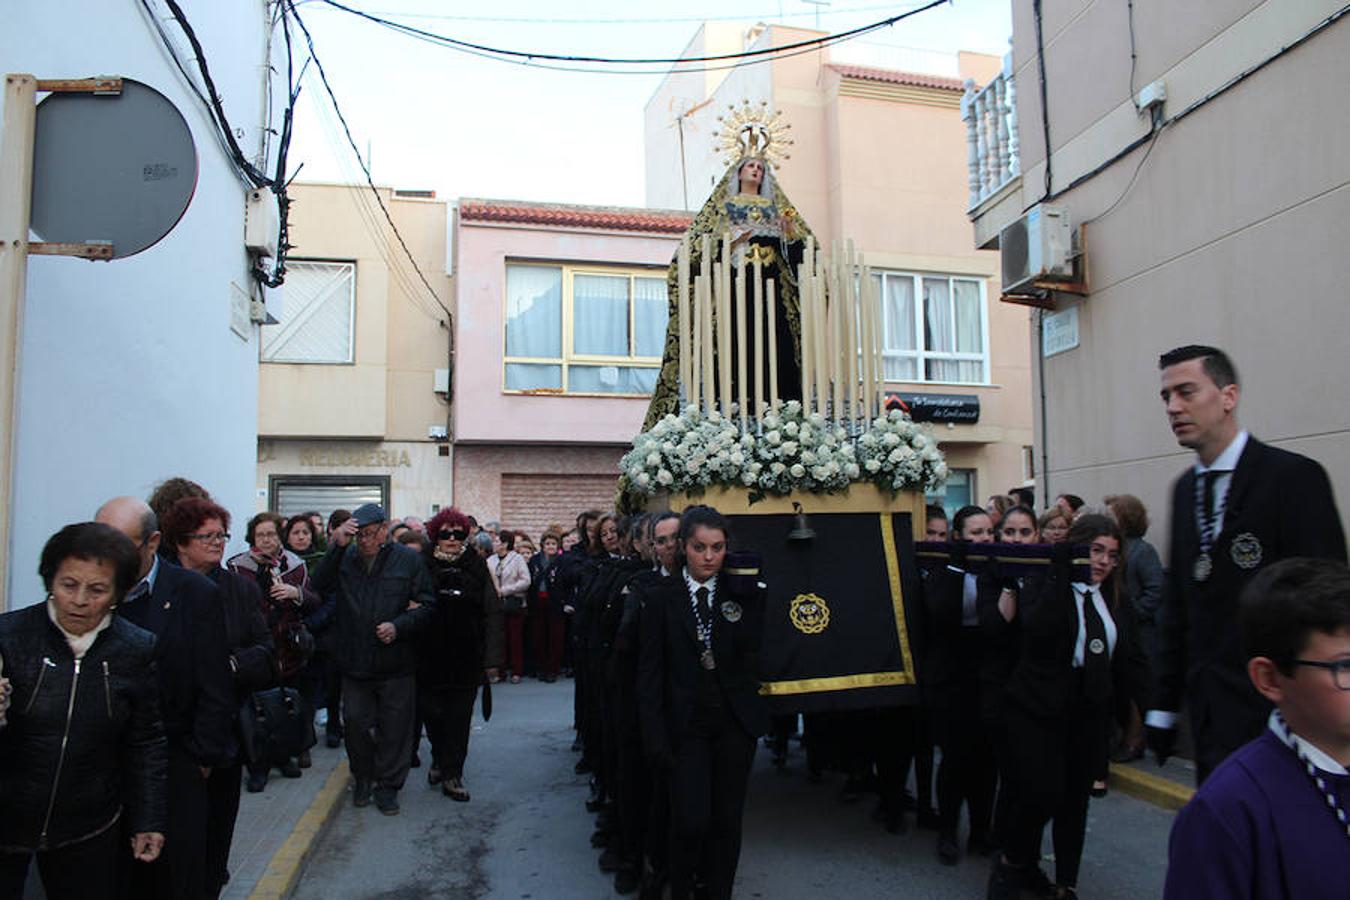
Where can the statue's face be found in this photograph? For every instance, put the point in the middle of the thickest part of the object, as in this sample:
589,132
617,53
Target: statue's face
751,176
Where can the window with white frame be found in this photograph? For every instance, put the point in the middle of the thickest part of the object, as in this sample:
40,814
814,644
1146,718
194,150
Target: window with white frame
956,492
583,329
318,315
935,328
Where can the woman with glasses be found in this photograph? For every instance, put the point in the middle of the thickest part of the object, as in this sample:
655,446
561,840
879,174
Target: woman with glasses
197,529
1079,649
460,647
287,600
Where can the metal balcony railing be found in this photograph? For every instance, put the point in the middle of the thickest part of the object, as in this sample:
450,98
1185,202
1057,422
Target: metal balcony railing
990,114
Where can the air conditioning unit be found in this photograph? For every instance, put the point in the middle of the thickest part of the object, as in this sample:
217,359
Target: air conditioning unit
261,223
1037,247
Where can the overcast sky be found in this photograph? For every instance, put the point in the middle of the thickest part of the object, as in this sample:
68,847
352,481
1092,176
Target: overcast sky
466,126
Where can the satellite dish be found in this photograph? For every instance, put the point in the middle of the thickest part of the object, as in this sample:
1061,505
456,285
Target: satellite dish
118,168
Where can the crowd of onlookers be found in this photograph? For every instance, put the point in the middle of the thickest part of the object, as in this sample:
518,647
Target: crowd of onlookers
160,678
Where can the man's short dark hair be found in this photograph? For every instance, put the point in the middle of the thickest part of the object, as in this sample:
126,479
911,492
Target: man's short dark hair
92,541
1214,361
1025,496
1286,602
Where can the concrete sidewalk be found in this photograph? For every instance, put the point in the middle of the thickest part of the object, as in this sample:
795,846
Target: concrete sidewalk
277,828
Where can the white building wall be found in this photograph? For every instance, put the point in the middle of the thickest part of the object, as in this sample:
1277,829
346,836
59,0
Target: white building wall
130,372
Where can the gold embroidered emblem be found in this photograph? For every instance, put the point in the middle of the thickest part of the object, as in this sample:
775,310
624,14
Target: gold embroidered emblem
809,614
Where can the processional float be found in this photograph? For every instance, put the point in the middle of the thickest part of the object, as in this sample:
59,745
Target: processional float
770,406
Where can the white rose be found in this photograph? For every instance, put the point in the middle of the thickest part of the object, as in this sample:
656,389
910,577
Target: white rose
736,458
797,471
851,470
791,429
653,459
872,466
789,447
644,480
777,468
747,478
693,465
808,457
664,477
774,438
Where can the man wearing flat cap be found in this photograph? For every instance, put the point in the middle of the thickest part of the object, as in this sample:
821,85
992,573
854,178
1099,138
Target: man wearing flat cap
384,598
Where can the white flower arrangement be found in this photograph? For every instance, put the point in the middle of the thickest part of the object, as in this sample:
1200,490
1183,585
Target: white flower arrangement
791,452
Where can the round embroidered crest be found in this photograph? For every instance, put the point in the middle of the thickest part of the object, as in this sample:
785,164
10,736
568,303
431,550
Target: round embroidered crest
731,611
1097,645
1246,551
809,613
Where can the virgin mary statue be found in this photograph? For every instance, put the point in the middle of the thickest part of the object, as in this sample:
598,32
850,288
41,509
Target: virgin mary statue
763,225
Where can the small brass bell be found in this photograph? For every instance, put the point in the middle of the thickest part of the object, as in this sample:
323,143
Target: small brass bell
801,531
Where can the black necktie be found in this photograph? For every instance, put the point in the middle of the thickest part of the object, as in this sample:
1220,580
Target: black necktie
702,595
1096,658
1210,477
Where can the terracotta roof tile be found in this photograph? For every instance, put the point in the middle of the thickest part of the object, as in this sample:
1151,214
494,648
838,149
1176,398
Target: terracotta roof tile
894,76
618,218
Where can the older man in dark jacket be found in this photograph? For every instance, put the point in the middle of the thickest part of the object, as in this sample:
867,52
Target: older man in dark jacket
384,598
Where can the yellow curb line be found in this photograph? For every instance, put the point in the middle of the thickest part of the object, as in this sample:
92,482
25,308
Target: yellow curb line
283,870
1150,788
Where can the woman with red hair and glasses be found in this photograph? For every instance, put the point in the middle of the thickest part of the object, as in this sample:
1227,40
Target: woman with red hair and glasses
462,644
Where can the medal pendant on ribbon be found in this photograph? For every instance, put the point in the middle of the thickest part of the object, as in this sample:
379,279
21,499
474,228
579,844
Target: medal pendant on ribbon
731,611
1204,567
1096,645
706,660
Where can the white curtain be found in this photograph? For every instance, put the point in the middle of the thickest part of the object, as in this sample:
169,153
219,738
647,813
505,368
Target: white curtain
651,310
600,315
533,312
966,299
532,376
897,301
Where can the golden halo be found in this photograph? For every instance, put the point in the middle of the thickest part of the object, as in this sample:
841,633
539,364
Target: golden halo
753,131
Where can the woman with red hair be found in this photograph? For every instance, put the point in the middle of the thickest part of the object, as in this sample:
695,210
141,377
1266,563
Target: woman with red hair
461,646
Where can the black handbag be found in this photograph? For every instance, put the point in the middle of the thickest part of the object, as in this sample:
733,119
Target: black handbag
275,725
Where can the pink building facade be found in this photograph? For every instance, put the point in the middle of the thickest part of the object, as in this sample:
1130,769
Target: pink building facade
560,315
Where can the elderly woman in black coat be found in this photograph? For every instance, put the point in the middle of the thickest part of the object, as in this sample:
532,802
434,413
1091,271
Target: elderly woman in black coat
83,757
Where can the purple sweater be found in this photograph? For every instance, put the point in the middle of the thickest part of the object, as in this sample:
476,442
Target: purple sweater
1259,829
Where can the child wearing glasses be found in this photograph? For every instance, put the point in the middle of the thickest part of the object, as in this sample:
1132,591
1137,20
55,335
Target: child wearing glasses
1273,820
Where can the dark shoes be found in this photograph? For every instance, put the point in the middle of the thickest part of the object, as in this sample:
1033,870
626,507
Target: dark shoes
332,741
289,769
305,761
434,775
454,789
1006,882
627,880
948,851
386,801
361,792
256,782
611,860
980,844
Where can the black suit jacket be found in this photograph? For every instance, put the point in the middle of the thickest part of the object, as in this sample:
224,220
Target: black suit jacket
1042,680
185,613
669,673
1277,500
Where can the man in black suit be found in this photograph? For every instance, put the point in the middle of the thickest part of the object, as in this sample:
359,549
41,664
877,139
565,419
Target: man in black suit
185,612
1241,507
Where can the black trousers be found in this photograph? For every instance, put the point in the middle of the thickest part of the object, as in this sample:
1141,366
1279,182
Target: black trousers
1051,764
380,728
894,735
707,801
180,871
968,772
447,712
222,799
83,871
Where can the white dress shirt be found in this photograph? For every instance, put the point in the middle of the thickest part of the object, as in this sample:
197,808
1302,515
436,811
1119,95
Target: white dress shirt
1081,591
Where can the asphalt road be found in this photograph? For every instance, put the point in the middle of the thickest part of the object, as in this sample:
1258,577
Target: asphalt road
525,834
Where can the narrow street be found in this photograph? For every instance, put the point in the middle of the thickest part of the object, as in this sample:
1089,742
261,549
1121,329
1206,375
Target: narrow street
525,834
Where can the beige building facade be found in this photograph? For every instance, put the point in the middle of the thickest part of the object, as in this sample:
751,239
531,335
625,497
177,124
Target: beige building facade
1216,219
353,385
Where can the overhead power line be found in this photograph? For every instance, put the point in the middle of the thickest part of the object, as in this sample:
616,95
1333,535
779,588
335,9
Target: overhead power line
653,20
365,169
531,55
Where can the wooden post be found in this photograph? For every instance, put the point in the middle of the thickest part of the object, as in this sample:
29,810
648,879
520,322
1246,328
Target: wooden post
16,189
